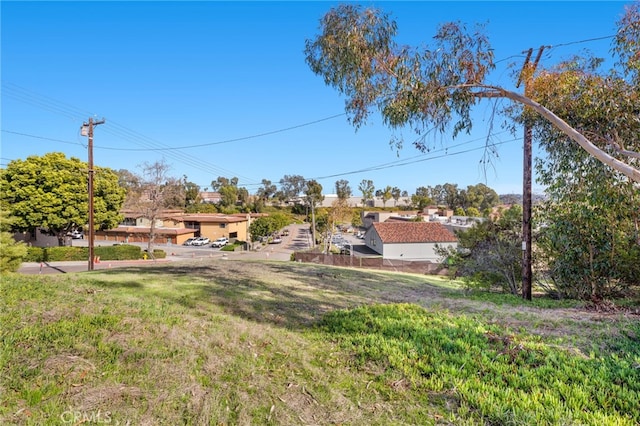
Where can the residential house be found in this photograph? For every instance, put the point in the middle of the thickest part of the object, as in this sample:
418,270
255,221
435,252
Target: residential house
175,227
410,241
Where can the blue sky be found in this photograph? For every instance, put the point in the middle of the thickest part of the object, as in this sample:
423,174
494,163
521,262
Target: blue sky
222,88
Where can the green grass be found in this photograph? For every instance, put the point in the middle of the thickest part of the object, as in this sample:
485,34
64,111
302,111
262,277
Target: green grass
231,342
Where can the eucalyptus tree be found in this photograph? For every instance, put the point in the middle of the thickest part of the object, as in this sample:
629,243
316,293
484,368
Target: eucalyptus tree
191,192
343,190
421,198
368,189
395,194
386,194
291,186
267,191
313,196
436,86
589,240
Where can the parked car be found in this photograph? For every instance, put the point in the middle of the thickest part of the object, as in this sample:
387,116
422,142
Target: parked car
275,240
200,241
77,235
189,241
220,242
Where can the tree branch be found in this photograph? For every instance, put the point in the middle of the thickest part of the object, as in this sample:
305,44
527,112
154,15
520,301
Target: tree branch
498,92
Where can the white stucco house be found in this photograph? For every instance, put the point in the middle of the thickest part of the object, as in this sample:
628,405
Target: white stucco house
411,241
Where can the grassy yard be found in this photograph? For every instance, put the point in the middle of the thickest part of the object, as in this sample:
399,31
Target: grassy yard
240,342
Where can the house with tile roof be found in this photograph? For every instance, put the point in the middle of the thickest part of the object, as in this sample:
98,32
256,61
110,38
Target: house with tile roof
409,241
175,227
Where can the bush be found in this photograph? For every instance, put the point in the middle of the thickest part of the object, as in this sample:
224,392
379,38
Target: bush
157,254
11,253
60,254
119,252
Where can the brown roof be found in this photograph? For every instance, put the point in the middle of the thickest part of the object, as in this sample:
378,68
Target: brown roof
414,232
146,230
210,218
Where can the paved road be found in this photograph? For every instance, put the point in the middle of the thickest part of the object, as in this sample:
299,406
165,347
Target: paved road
299,238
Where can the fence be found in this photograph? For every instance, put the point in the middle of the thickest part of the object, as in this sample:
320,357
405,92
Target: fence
417,267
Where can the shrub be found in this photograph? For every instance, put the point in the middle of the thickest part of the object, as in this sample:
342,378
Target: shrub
60,254
11,253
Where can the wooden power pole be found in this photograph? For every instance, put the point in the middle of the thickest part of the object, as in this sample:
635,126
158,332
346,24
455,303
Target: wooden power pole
525,75
87,130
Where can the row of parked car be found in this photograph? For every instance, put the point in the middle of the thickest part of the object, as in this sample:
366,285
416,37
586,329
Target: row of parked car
203,241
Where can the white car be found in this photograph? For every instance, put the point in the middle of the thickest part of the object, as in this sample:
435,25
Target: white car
220,242
200,241
189,241
77,235
276,240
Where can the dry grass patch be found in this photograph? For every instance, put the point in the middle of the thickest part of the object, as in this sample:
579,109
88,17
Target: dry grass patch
225,342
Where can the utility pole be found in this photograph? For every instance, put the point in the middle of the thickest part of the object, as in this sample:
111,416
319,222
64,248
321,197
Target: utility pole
87,130
525,74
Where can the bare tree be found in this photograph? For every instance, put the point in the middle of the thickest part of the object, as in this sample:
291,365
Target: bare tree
156,192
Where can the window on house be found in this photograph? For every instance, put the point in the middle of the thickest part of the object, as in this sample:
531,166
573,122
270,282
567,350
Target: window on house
223,225
373,241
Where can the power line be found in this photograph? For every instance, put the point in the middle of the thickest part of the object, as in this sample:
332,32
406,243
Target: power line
405,163
397,163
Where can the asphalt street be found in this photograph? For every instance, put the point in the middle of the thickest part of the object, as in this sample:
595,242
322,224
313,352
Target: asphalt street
299,238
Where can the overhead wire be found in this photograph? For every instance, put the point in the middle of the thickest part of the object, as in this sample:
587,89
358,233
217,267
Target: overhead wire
115,129
151,145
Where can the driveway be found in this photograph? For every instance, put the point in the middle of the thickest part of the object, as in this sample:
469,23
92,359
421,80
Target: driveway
299,238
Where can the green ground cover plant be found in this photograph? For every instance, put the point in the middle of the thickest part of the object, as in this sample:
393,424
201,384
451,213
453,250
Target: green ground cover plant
252,342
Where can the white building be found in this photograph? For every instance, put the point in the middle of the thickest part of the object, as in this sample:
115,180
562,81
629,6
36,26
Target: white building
411,241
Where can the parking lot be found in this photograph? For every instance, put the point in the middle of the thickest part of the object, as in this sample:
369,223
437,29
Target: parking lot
299,239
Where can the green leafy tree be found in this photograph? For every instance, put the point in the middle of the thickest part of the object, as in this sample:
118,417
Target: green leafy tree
395,194
421,198
368,189
436,86
267,191
589,243
50,192
231,195
480,197
386,194
202,208
191,192
343,190
452,197
489,253
267,225
291,186
473,212
356,218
